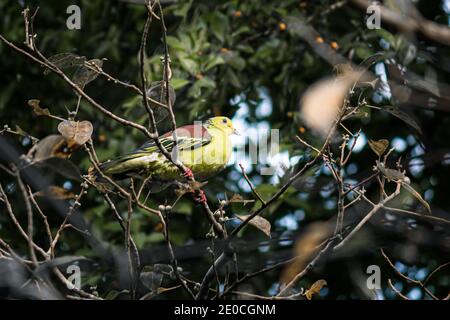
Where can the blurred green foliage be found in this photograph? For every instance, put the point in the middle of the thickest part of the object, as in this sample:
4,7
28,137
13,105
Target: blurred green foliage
224,54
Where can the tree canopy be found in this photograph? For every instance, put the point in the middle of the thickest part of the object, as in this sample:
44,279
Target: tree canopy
354,118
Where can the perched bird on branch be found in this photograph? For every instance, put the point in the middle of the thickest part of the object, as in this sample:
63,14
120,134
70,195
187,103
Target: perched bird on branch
204,148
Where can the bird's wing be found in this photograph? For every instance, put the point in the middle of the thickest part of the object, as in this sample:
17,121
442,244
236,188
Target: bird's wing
189,137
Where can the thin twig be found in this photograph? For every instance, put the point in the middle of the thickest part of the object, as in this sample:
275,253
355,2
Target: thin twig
369,215
397,291
17,224
173,259
29,210
407,278
252,187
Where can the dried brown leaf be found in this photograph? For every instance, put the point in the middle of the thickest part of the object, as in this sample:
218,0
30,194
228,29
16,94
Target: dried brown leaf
315,288
38,110
379,146
52,146
76,132
56,193
87,73
258,222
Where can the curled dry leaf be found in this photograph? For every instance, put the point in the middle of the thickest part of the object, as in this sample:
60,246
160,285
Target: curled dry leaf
397,175
417,195
315,288
321,103
396,112
379,146
391,174
76,132
56,193
38,110
305,246
258,222
87,72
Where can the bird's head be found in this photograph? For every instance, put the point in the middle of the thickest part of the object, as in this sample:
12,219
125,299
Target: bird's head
222,123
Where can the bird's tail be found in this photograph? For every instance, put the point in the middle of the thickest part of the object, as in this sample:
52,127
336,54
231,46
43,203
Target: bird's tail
121,167
130,165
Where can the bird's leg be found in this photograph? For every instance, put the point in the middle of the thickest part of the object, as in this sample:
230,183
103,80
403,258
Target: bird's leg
188,174
201,197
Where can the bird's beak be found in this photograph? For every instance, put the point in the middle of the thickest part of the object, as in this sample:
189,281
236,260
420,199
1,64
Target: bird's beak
236,132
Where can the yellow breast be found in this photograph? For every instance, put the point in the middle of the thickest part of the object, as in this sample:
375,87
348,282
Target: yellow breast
211,158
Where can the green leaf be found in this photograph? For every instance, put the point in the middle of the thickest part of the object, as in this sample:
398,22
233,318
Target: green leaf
219,25
178,83
245,48
175,43
182,10
205,82
233,59
363,52
188,64
386,35
213,61
233,79
183,207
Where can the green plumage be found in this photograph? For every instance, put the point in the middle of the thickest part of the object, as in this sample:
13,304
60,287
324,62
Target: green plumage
205,150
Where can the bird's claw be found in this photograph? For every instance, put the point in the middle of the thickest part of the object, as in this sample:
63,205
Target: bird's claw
201,197
188,174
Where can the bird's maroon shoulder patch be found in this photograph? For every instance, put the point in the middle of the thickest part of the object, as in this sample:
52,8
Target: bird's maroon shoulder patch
191,131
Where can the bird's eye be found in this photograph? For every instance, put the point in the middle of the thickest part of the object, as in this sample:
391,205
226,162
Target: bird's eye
224,120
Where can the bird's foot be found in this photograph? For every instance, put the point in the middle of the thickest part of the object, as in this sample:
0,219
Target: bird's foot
188,174
200,197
